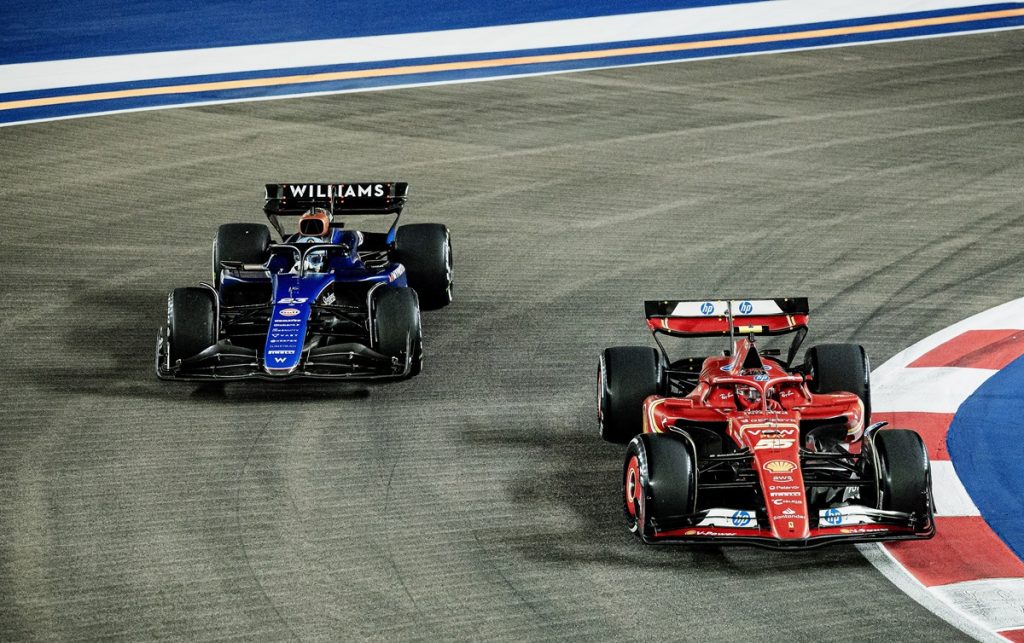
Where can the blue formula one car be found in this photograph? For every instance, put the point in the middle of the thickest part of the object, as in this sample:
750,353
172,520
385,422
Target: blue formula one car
325,302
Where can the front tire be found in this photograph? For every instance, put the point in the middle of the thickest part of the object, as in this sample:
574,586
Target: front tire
659,482
191,322
626,376
397,320
841,368
902,472
425,249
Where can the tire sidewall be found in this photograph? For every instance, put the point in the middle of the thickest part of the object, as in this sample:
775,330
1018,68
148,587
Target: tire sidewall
841,368
902,471
244,242
425,250
191,322
626,376
396,315
654,476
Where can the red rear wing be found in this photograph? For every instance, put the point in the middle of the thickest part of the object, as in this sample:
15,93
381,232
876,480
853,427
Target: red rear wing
709,318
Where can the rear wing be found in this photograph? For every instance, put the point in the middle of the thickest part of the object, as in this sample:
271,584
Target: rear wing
710,318
284,199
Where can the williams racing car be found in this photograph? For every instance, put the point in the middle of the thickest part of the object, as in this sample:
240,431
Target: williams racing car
324,302
750,447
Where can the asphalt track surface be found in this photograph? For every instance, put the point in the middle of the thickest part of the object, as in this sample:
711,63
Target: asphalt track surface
475,501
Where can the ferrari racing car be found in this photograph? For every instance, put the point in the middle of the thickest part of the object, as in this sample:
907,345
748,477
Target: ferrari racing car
750,446
325,301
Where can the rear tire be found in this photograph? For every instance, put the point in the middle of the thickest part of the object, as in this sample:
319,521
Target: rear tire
191,322
902,471
841,368
425,249
244,242
659,481
397,318
626,376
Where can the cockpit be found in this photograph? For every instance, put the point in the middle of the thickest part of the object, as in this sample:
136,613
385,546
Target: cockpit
743,380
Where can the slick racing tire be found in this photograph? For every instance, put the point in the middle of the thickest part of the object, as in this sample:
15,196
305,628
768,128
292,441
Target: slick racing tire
191,322
659,482
626,376
902,471
396,316
245,242
841,367
425,249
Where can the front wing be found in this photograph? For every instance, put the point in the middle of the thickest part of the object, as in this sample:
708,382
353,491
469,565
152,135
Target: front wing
740,527
225,361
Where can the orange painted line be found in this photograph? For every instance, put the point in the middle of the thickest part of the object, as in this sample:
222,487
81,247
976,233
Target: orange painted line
505,62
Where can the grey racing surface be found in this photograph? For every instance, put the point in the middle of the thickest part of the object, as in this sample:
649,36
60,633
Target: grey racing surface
475,501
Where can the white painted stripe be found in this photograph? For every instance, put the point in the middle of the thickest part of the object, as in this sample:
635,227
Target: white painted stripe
454,42
1006,316
966,622
997,603
932,390
501,74
951,498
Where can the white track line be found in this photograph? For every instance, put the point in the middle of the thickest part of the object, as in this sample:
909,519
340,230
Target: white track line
951,499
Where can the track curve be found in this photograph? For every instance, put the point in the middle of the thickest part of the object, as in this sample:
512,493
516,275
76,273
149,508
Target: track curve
475,501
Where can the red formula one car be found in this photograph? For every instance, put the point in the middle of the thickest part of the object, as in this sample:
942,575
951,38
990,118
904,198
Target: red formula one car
749,447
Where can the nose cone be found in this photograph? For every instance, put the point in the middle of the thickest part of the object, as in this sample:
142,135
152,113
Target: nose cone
774,444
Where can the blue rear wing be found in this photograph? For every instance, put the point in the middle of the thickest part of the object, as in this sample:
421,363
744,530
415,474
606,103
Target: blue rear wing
292,199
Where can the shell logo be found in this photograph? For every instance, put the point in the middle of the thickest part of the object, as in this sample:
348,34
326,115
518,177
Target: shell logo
779,466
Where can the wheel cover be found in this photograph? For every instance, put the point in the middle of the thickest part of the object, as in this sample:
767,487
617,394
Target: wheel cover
634,494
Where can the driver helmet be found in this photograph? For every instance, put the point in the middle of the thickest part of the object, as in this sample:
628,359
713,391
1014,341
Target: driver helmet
748,396
315,223
314,227
315,261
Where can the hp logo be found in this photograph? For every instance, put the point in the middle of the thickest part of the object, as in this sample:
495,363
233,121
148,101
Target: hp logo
742,518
